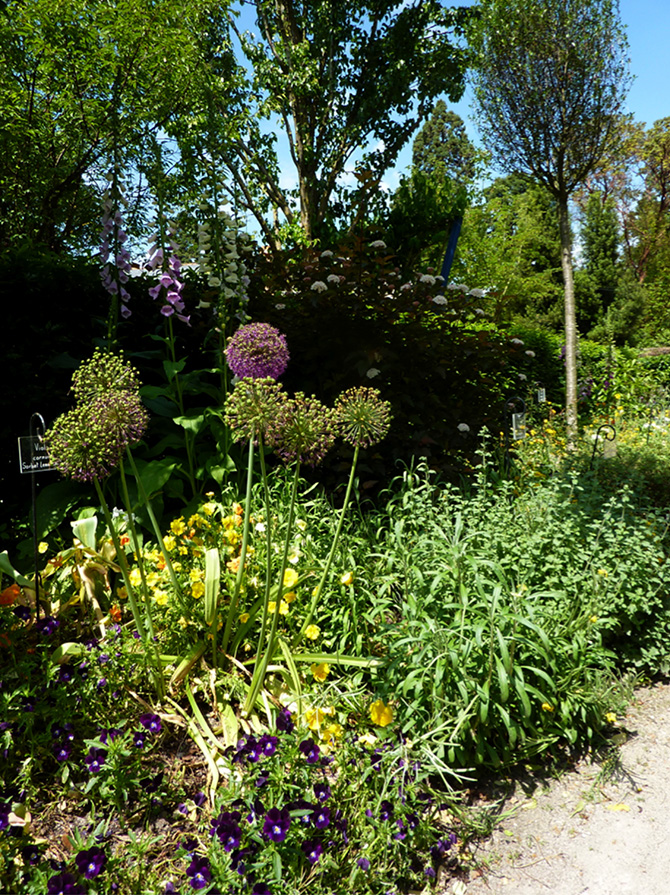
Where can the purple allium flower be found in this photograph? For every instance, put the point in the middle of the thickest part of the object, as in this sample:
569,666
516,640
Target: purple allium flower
95,759
363,863
151,722
321,818
257,351
277,823
322,791
199,873
64,884
313,850
363,418
303,430
62,751
91,862
310,750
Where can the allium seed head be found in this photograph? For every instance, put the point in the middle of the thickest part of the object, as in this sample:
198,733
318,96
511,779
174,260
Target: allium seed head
102,373
86,443
363,418
252,409
257,351
304,430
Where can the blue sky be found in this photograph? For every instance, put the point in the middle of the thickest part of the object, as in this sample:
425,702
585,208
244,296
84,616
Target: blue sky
648,30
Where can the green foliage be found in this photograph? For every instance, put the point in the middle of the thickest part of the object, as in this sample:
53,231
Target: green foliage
351,320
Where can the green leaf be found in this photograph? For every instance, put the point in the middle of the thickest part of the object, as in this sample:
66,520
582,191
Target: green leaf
7,567
192,422
173,368
503,680
85,529
229,726
155,474
212,583
66,651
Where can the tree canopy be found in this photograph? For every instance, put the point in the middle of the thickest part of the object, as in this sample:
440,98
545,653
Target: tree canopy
550,80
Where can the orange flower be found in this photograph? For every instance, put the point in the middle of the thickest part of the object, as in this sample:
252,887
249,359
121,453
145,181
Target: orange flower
115,614
124,539
10,595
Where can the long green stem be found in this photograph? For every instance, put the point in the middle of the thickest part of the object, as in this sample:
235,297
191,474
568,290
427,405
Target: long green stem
268,554
326,570
157,532
261,667
243,549
125,572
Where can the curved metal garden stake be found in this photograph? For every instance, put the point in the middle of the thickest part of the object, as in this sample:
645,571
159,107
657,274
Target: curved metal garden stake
610,435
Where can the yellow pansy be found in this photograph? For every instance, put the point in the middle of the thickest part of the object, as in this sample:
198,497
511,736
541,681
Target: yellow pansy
316,718
209,508
381,714
135,577
244,618
320,670
178,526
283,607
196,574
547,707
312,632
347,578
161,597
610,717
169,542
197,589
290,596
290,578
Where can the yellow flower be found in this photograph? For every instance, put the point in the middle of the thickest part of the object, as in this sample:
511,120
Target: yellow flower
290,596
42,547
610,717
169,542
312,632
283,607
237,509
301,524
347,578
593,619
290,578
602,573
244,618
315,718
182,550
121,593
161,597
196,574
381,714
135,577
332,733
209,508
546,707
320,671
178,526
197,589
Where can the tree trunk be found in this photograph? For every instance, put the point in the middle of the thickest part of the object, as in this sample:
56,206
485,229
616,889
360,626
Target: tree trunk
570,325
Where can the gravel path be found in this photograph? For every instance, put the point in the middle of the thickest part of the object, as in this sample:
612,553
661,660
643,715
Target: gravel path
585,834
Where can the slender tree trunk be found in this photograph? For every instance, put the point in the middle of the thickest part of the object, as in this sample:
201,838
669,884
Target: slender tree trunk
570,325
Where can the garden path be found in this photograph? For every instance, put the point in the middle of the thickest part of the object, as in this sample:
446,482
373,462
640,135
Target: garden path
588,833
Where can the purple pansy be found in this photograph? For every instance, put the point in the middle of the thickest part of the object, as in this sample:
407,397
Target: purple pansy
95,759
310,750
151,722
91,862
277,823
199,873
313,850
